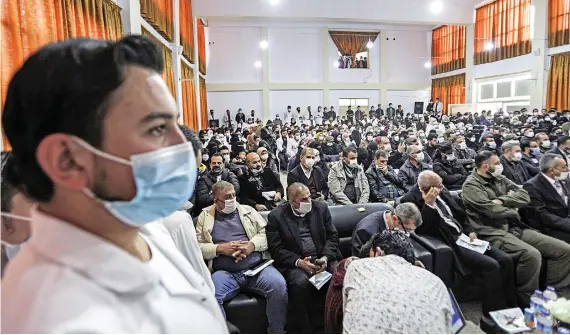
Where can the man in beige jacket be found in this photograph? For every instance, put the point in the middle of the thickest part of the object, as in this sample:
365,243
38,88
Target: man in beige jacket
347,181
232,239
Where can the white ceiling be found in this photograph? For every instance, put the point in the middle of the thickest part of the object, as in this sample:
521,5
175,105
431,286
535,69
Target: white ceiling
394,12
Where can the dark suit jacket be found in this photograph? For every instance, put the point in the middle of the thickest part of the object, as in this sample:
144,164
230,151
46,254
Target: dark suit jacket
298,176
250,195
547,210
284,240
434,225
370,225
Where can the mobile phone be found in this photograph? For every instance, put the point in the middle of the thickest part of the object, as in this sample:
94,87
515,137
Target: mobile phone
317,261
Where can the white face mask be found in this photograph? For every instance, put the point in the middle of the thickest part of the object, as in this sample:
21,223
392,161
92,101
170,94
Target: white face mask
563,176
230,206
420,157
205,157
517,157
264,157
462,145
492,145
545,144
531,134
226,158
498,170
304,208
388,147
369,138
396,138
450,157
354,162
309,162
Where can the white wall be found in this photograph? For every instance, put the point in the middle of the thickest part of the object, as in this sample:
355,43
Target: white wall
406,56
503,67
246,100
370,75
279,100
295,55
233,54
373,97
407,99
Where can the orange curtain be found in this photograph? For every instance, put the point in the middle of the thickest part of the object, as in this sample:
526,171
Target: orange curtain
447,49
558,86
349,43
502,30
203,104
558,23
187,30
449,90
189,108
201,47
168,73
29,24
159,13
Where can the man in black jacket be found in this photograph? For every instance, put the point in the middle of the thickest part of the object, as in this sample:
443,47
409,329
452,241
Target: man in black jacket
513,169
256,181
563,148
303,241
448,168
350,115
379,111
445,220
309,175
385,186
240,118
530,156
204,185
549,210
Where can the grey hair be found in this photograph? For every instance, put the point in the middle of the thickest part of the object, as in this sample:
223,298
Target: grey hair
221,185
425,178
306,150
294,189
410,148
510,145
548,161
408,212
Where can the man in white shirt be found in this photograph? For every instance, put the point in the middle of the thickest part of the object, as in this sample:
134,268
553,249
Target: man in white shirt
376,303
438,107
101,161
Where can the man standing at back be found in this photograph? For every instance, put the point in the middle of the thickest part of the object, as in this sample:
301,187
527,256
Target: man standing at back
97,145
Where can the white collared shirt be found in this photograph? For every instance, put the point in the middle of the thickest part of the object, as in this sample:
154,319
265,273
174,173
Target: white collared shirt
445,218
559,190
306,172
67,280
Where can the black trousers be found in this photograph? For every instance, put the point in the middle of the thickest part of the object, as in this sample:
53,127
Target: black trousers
498,272
306,303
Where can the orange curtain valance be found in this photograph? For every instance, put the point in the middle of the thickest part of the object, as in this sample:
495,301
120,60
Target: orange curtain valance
159,13
448,49
449,90
558,23
187,30
502,30
349,43
28,25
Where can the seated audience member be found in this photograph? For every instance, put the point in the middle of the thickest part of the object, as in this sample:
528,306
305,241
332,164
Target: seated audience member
445,220
464,154
530,156
563,148
255,181
543,142
232,239
347,182
395,157
385,293
549,210
300,232
330,148
452,173
333,302
311,176
513,168
432,144
414,164
405,217
384,184
488,144
491,203
320,160
267,160
412,140
204,185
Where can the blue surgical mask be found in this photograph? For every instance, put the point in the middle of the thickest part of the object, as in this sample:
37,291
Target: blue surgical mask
164,178
535,151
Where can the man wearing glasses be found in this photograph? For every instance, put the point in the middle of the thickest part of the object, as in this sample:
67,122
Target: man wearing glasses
445,220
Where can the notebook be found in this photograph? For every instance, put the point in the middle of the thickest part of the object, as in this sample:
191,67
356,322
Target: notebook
457,318
320,279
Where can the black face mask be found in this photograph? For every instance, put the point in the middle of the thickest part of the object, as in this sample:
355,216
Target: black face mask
217,170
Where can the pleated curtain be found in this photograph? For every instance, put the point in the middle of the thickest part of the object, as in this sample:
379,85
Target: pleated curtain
168,73
558,86
189,107
449,90
203,104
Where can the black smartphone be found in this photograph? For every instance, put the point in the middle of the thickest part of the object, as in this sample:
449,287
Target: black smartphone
317,261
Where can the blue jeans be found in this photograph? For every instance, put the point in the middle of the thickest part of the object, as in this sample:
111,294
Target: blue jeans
269,283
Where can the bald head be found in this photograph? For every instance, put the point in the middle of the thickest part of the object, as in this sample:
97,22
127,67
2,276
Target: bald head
297,190
252,160
428,179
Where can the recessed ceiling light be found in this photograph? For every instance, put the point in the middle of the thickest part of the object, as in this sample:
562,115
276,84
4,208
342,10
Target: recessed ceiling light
369,45
489,46
257,64
263,44
273,2
427,65
436,7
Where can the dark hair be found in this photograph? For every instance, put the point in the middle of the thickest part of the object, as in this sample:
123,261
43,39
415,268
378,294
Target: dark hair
65,87
482,157
223,147
488,136
8,191
432,136
380,153
191,137
562,139
217,154
525,143
391,242
347,150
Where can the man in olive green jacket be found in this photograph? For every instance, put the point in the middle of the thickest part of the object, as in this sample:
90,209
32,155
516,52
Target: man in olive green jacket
491,203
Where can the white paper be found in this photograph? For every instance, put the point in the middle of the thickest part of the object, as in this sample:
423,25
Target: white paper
320,279
510,320
269,195
477,245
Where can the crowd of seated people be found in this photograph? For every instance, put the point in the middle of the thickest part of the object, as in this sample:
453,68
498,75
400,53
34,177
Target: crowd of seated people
265,192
